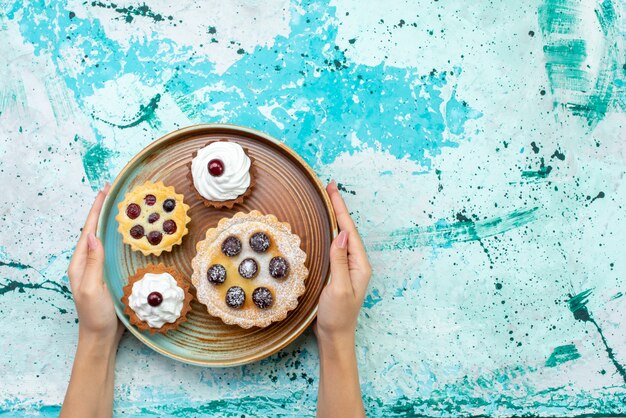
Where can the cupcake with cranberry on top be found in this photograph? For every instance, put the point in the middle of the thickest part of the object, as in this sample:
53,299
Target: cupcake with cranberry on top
157,299
221,173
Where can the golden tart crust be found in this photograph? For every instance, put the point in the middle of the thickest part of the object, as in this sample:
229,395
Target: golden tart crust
178,215
285,291
182,283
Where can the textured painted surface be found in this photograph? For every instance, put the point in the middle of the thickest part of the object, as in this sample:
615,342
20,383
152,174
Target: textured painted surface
480,147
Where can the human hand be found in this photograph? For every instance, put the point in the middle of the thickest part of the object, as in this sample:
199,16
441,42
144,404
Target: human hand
341,300
97,321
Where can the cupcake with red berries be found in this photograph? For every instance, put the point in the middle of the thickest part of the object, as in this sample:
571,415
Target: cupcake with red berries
152,218
157,299
222,174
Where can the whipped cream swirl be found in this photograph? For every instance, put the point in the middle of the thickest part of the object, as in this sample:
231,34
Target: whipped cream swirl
169,309
235,179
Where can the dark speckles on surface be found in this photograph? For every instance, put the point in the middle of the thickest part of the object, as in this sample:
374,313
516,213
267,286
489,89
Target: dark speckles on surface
558,154
600,195
534,147
130,12
343,188
543,171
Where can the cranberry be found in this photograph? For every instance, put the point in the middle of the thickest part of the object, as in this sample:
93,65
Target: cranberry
133,211
155,237
169,205
169,227
235,297
150,199
155,299
248,268
136,231
153,218
231,246
279,268
259,242
216,274
262,297
216,167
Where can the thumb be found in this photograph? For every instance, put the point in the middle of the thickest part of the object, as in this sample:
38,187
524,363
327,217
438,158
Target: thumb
95,259
340,274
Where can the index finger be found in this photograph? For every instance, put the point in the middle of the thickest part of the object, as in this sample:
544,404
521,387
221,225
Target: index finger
91,225
345,222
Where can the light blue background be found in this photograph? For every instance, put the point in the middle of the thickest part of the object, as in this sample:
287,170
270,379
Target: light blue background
479,146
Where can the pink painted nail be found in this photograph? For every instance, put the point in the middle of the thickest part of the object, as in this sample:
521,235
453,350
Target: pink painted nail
92,243
342,239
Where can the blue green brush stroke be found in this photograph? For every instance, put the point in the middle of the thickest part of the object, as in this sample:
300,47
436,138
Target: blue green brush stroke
96,163
578,307
562,354
443,234
586,89
442,403
329,81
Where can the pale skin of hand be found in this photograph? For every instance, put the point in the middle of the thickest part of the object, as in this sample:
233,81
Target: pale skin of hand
90,391
339,392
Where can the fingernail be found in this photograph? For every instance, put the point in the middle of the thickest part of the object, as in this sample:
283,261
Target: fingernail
107,187
342,239
92,243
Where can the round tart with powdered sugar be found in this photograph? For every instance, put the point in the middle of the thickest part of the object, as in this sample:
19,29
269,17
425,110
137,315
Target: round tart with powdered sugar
250,270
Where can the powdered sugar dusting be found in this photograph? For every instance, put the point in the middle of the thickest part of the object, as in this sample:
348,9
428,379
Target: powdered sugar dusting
285,291
248,268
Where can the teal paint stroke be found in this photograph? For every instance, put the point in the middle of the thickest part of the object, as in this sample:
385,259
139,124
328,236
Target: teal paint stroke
96,163
444,234
541,173
146,113
587,89
372,299
8,285
562,354
317,83
578,307
441,403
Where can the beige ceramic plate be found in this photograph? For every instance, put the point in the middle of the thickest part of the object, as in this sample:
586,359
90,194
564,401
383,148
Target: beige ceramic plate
285,186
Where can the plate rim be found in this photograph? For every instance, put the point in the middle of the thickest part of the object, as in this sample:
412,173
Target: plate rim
106,208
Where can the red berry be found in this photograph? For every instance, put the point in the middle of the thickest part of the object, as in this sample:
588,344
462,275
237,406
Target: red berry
133,211
155,237
153,217
150,199
136,231
169,227
155,299
216,167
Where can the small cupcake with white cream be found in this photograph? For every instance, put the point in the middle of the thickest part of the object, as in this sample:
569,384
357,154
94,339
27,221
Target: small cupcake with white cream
157,299
221,174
